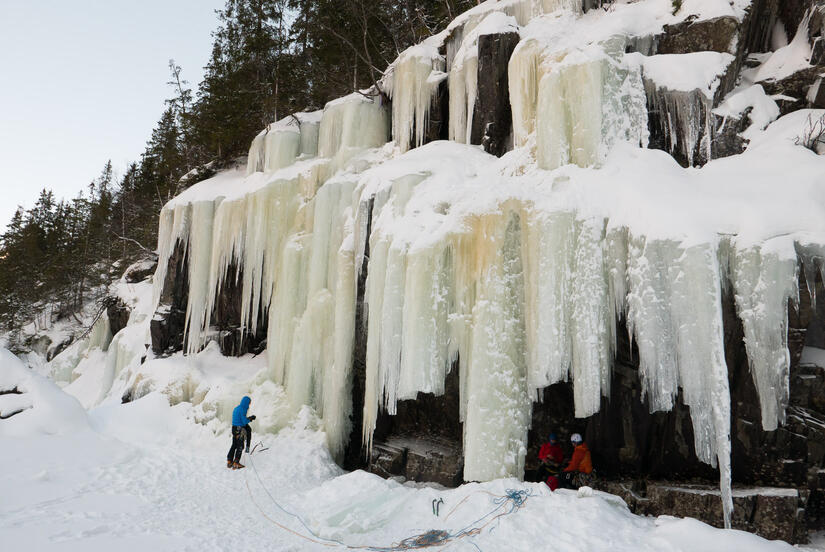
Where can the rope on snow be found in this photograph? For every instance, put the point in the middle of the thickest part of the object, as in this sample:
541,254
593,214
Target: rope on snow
514,498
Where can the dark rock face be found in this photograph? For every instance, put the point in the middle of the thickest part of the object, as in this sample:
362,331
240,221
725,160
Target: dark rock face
168,322
492,118
118,313
716,35
679,123
354,457
796,88
727,138
758,25
438,123
439,461
233,338
422,441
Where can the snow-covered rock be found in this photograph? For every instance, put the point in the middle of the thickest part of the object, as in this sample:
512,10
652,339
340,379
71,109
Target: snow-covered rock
31,404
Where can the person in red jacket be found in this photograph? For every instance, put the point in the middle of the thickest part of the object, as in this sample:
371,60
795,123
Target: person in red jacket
551,457
579,472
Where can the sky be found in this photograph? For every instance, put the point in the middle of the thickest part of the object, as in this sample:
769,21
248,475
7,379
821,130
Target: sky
85,81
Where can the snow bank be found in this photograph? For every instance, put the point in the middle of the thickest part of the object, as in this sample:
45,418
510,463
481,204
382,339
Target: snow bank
213,385
31,404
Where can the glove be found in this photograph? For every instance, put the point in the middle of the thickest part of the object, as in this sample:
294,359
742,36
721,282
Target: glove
251,418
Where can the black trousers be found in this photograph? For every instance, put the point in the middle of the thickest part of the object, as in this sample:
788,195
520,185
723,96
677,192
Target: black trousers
239,435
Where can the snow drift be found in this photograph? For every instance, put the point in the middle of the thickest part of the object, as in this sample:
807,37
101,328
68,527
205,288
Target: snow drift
31,404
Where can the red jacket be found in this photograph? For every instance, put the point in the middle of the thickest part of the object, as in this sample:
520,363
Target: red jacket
551,452
581,461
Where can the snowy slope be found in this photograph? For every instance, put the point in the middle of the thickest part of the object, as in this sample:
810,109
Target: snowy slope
146,476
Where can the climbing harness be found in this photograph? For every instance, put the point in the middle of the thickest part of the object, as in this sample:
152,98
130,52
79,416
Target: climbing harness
506,504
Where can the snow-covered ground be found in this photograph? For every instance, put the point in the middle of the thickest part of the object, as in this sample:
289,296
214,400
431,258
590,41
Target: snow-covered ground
145,475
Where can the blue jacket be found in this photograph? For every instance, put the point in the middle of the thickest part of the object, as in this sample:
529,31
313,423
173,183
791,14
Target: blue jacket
239,414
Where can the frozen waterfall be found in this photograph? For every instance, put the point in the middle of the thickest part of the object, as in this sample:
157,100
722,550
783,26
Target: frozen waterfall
516,271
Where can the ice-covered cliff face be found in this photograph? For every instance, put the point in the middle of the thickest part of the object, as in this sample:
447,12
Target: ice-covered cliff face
516,267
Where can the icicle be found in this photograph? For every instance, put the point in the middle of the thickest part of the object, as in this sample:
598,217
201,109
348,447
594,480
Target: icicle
257,155
373,299
498,404
523,79
812,258
569,115
291,299
549,244
199,252
311,352
463,88
649,318
416,75
282,144
696,307
764,280
337,398
350,125
589,327
616,256
310,124
425,342
174,229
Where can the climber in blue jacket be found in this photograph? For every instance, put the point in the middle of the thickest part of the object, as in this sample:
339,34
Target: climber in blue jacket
240,432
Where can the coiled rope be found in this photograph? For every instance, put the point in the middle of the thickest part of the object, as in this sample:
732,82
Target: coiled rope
506,504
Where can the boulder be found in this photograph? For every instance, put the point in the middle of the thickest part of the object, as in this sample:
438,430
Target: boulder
141,270
727,139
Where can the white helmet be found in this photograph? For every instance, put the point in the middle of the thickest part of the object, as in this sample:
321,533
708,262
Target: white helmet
575,438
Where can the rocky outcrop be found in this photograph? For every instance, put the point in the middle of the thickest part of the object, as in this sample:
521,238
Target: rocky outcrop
438,121
234,338
773,513
59,347
141,270
439,461
727,138
168,322
719,34
492,117
794,91
118,313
